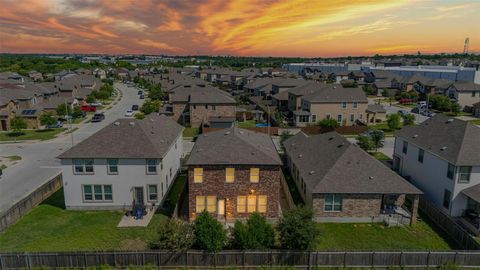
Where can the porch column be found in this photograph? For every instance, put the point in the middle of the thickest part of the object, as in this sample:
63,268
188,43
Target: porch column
413,219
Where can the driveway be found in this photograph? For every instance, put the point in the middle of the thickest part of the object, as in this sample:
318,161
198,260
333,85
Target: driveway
39,162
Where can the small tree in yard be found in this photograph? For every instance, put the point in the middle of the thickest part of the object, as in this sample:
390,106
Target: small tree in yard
176,235
297,229
150,106
17,124
365,142
47,119
209,233
328,123
456,108
408,119
63,109
378,138
255,234
393,121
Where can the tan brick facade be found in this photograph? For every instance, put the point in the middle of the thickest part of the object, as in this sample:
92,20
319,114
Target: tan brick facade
322,110
214,184
178,109
200,113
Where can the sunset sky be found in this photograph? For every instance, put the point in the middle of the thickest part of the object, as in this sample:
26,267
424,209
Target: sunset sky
310,28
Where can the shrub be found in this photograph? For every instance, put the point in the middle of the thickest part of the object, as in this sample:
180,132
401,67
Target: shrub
47,119
77,112
365,142
393,121
328,123
370,90
408,119
440,102
90,99
455,108
140,115
209,233
63,109
150,106
255,234
17,124
176,235
297,229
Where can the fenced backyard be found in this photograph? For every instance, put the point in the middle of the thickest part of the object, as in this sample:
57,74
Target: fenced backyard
240,259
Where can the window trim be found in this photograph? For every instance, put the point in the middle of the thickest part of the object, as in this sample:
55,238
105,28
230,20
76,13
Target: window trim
84,166
253,174
460,173
108,166
344,105
149,194
93,200
230,177
147,166
355,105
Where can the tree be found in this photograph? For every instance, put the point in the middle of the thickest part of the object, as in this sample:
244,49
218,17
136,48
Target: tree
90,99
328,123
378,138
155,92
140,115
440,102
17,124
209,233
47,119
393,121
255,234
103,95
365,142
456,108
150,106
408,119
297,229
77,112
370,90
176,235
63,109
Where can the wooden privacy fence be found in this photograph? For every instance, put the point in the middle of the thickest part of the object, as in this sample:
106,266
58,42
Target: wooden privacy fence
18,210
463,238
239,259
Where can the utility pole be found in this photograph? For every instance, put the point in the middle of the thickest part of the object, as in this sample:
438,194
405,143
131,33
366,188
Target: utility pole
465,45
68,120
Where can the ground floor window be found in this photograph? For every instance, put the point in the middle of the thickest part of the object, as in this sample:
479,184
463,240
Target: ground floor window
152,192
252,203
97,193
333,203
208,203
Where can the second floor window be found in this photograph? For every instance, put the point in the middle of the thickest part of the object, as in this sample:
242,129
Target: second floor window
450,171
421,153
254,175
464,174
198,175
355,105
151,166
405,147
112,166
83,166
344,105
229,175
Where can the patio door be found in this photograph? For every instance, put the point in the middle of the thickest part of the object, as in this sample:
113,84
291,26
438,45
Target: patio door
138,195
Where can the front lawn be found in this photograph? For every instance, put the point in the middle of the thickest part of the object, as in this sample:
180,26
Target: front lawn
247,124
38,134
190,132
375,236
475,122
49,227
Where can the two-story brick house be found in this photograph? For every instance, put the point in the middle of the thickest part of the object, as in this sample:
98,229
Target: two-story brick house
343,183
441,156
233,173
128,162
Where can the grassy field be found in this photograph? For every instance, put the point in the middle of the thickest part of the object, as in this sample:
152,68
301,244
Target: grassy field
39,134
246,124
190,132
49,227
373,236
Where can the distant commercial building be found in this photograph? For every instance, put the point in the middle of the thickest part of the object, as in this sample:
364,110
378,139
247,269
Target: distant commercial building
325,67
454,73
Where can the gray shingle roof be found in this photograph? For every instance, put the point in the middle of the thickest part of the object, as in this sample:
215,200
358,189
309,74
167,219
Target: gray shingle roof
328,163
234,146
454,140
473,192
464,86
336,93
195,94
148,138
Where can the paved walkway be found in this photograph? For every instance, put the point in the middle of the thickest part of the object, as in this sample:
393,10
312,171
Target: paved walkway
130,221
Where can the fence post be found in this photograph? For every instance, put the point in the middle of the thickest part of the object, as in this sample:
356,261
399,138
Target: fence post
428,260
159,260
373,259
309,260
114,259
215,260
455,257
400,263
345,259
243,259
85,259
27,260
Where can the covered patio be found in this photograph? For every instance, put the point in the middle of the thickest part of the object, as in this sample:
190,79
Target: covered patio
470,218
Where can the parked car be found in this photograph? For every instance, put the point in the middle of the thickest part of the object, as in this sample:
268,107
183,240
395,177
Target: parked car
96,104
59,124
88,108
140,92
134,107
98,117
129,113
142,96
406,101
402,112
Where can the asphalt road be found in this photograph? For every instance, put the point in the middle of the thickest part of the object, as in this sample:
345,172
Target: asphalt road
39,162
395,109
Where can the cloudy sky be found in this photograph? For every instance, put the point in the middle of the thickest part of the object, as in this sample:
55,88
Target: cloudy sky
238,27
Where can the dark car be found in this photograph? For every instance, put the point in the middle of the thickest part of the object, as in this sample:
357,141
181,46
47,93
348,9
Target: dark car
142,97
134,107
59,124
98,117
140,92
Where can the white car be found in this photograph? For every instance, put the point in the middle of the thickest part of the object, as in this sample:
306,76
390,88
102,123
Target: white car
129,113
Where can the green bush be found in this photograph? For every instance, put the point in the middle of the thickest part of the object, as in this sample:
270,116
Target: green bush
176,234
408,119
255,234
393,121
440,102
63,109
209,233
328,123
297,229
140,115
17,124
47,119
77,112
365,142
150,106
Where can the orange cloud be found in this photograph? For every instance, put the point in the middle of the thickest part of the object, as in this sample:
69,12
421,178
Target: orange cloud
97,29
158,45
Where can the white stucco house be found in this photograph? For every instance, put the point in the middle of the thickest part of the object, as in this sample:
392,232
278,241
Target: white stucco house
128,162
441,156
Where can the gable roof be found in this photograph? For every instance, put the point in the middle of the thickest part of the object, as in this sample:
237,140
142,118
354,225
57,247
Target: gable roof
454,140
336,93
234,146
129,138
464,86
329,163
195,94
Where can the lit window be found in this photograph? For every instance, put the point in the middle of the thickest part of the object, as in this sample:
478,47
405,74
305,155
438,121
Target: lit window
251,204
198,175
241,204
200,204
262,204
254,175
229,175
211,204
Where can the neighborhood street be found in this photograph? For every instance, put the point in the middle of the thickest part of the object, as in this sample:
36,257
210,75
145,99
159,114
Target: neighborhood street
39,162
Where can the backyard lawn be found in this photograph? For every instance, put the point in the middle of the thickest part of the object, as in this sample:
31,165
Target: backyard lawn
30,134
190,132
49,227
246,124
475,122
374,236
380,156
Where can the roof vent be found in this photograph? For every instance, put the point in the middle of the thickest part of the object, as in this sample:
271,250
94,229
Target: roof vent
331,138
132,124
415,136
312,172
300,156
443,148
370,177
340,145
450,120
117,123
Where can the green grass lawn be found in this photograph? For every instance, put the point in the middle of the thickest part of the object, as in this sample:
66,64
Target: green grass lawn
247,124
174,195
49,227
374,236
39,134
380,156
475,122
190,132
